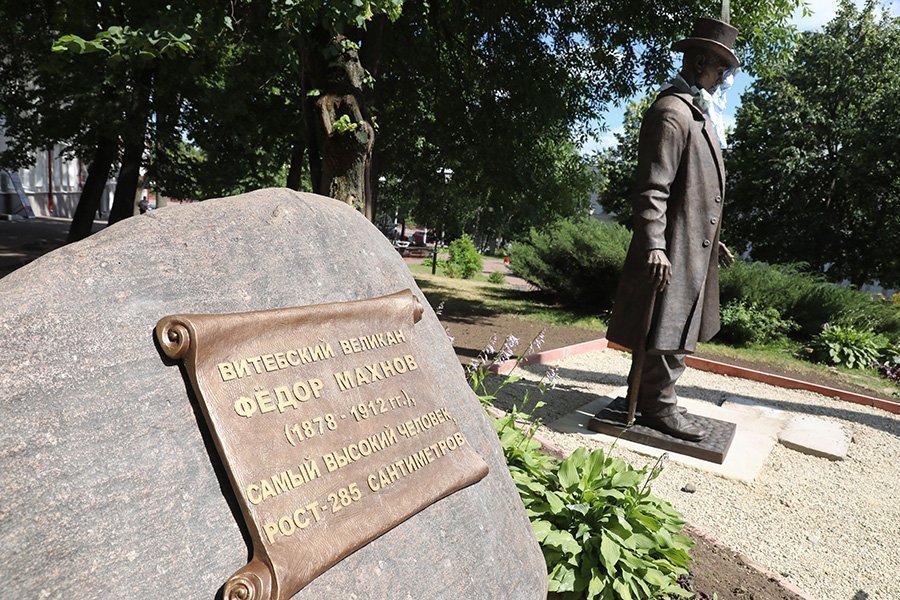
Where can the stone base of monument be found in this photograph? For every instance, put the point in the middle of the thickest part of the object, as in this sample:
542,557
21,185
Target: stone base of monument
612,420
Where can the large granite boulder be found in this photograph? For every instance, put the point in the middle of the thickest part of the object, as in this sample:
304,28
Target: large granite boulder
109,484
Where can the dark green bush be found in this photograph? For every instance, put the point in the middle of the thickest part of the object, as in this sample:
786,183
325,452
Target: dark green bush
464,261
807,299
744,324
497,277
578,260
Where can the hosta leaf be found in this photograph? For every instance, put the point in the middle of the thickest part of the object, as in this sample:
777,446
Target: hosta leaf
654,577
568,474
639,541
622,590
597,583
595,467
556,505
563,540
565,577
610,552
581,509
610,494
627,479
541,529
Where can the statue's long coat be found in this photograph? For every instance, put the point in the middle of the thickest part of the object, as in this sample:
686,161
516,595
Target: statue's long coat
677,202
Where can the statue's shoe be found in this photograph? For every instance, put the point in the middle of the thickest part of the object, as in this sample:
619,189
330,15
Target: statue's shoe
674,424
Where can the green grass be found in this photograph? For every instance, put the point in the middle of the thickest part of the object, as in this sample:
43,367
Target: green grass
481,297
478,296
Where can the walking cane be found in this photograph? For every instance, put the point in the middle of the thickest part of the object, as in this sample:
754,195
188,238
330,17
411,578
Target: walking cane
637,359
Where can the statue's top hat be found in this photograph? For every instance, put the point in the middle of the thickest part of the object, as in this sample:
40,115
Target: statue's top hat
714,35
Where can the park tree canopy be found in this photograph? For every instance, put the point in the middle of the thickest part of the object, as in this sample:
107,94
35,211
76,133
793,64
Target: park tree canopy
813,173
502,94
479,108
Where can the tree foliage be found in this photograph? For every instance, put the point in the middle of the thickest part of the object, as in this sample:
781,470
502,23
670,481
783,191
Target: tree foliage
813,173
616,165
502,93
479,108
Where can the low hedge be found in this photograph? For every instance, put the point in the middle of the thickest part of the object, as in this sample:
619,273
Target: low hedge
577,260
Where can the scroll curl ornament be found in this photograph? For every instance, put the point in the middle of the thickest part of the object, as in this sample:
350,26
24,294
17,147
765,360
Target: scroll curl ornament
418,309
174,336
253,582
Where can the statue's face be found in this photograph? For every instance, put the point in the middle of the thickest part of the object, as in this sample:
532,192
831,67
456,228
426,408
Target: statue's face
710,70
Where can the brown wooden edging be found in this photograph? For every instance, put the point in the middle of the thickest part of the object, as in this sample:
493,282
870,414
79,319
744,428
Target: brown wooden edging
705,364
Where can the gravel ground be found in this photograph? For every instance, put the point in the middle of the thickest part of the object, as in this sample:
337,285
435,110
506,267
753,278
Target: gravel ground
830,527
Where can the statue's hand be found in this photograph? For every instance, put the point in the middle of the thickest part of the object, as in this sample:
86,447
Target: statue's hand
726,258
659,268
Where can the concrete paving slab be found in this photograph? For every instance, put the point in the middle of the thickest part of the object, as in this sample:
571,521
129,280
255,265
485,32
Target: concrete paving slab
756,435
753,406
816,436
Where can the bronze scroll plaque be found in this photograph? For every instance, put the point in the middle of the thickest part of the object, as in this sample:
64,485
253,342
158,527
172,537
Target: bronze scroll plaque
329,424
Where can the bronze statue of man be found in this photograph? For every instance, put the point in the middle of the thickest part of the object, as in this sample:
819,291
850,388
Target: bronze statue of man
675,252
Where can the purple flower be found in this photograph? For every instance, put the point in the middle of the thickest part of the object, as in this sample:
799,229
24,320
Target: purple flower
535,345
506,351
482,358
552,377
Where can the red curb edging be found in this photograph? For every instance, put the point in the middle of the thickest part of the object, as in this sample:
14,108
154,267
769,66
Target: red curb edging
704,364
542,358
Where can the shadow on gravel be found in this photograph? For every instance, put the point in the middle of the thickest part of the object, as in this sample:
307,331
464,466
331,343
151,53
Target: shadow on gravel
883,422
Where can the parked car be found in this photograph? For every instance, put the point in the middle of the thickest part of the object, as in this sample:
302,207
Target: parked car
422,237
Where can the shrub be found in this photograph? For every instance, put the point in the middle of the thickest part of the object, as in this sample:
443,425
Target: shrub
744,324
602,532
497,277
848,347
464,261
578,260
807,299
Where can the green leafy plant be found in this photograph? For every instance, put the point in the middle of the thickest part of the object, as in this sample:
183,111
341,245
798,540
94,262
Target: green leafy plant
602,532
497,277
344,124
744,323
464,261
846,346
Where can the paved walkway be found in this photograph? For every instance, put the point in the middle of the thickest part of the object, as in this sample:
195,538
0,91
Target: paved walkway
489,265
22,241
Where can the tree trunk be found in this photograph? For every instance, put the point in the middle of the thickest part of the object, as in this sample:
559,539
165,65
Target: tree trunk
342,135
135,139
127,182
296,170
370,53
92,192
